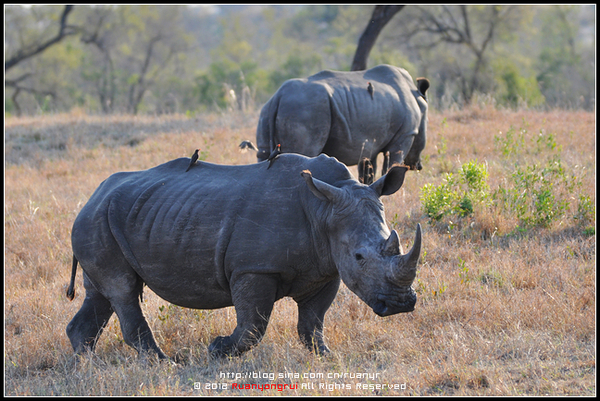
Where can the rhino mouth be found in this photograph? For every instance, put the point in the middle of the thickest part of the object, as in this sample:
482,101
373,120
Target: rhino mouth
387,306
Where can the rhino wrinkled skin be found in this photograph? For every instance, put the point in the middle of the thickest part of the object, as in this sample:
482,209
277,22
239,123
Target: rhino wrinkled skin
241,236
333,112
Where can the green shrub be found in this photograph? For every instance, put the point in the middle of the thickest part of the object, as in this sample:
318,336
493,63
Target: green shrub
458,194
536,194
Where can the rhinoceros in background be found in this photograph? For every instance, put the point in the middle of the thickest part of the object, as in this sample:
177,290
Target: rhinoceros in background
335,113
245,236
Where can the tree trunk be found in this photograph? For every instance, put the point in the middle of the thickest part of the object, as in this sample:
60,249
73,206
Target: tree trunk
15,102
381,16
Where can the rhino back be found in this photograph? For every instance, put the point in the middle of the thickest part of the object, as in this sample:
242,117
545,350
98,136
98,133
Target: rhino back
186,234
335,111
392,104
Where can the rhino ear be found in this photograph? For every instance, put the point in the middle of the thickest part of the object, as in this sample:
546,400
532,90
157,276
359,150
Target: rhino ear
321,189
391,182
423,85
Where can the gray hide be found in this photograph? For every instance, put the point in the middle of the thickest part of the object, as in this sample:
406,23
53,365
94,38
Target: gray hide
241,236
332,112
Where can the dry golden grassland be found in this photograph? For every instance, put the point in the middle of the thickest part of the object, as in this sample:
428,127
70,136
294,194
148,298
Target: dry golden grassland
503,308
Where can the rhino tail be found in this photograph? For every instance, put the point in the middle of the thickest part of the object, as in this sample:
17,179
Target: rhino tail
273,108
71,289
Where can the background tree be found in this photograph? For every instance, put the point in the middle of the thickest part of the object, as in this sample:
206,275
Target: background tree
154,40
99,67
26,43
38,45
161,59
470,30
380,17
563,62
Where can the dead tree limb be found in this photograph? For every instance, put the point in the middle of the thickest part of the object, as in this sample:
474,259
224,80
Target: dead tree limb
25,53
381,16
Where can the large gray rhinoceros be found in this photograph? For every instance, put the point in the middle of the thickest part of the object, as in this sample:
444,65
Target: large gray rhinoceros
242,236
336,113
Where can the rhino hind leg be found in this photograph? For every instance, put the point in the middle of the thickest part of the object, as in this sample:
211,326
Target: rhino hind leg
253,297
134,326
311,313
87,325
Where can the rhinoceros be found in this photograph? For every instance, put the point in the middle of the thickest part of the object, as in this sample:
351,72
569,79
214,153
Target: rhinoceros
335,113
243,236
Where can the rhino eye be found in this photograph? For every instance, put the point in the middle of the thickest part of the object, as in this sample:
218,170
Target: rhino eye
359,256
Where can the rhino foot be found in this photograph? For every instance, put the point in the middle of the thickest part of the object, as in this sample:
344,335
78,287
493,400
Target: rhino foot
153,357
320,350
223,347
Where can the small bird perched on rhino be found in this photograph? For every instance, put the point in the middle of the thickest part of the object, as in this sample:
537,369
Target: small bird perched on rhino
193,161
370,89
274,155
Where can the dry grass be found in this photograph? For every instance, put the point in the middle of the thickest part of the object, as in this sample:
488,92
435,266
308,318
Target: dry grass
513,314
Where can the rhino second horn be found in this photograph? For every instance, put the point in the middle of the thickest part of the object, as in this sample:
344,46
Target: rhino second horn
406,268
392,245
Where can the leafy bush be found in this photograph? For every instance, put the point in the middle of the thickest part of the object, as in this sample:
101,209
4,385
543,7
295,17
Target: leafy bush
458,194
538,194
535,195
513,88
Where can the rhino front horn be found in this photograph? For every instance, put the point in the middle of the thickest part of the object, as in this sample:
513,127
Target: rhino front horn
406,268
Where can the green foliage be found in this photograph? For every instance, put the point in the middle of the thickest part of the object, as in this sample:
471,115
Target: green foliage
296,66
464,271
586,210
129,57
164,312
540,193
562,63
442,148
210,87
436,290
534,193
514,88
437,201
590,231
512,143
459,194
546,142
492,278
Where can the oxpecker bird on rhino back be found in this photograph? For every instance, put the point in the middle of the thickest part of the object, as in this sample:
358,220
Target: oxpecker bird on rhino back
332,113
240,236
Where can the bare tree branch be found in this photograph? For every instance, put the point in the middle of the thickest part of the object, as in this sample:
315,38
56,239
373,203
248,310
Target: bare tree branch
453,24
463,10
14,82
63,31
141,85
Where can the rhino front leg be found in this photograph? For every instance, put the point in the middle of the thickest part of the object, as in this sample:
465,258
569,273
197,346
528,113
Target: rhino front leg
399,151
253,298
311,312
